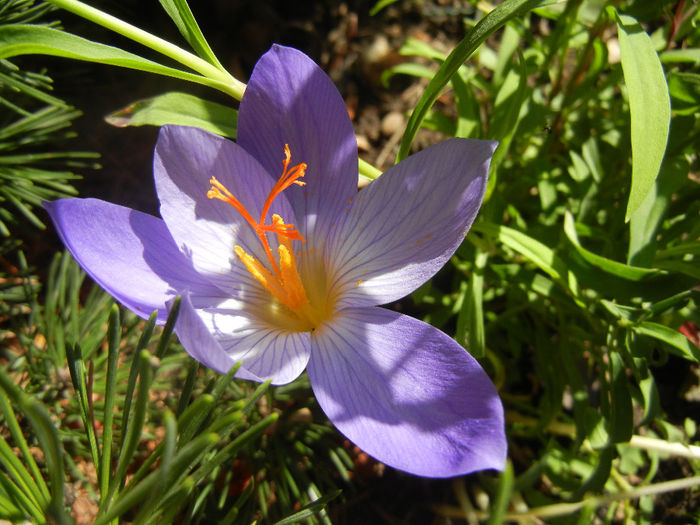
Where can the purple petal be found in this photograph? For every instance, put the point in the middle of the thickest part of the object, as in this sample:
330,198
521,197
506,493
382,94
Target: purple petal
129,253
201,344
407,394
290,100
222,335
208,229
402,228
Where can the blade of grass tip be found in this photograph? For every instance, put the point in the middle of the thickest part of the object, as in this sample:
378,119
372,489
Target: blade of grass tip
505,489
259,392
204,403
113,340
135,429
226,423
188,387
224,380
168,329
193,417
19,441
76,367
232,448
198,419
187,456
489,24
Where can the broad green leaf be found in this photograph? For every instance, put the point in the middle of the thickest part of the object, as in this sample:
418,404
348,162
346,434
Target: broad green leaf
181,14
677,342
177,108
16,40
540,254
618,269
681,55
650,107
474,38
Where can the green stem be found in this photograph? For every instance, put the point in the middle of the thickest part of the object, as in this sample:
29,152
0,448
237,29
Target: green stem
563,509
153,42
659,445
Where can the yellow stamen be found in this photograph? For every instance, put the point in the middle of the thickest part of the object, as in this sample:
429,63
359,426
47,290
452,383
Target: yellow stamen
262,274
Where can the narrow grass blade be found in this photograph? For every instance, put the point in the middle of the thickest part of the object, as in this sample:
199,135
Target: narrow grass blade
110,387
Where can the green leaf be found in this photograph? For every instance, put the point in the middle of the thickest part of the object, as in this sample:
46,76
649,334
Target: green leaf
540,254
650,107
16,40
407,68
381,4
177,108
506,117
470,320
181,14
678,342
474,38
621,422
646,221
503,496
684,89
631,273
681,55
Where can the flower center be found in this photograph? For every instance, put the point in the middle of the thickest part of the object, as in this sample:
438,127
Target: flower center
283,281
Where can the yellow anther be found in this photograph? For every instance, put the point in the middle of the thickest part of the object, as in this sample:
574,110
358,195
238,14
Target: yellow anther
261,274
291,282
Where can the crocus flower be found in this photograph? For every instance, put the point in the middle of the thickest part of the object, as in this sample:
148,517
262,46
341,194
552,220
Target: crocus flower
281,264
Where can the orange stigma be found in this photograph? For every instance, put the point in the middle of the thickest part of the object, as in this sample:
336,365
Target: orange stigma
283,282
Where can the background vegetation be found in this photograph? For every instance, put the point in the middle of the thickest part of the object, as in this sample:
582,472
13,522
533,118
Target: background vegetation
576,288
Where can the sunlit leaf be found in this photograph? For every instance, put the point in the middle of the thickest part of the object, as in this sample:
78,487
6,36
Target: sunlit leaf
178,108
650,107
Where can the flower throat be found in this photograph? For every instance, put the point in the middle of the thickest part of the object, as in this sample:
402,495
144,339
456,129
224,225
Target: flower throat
283,282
